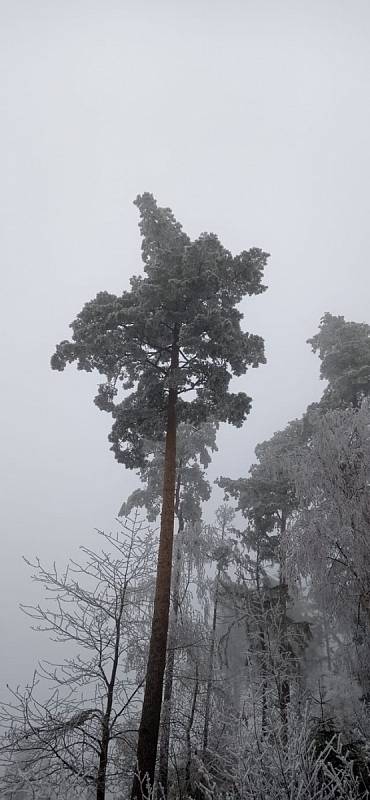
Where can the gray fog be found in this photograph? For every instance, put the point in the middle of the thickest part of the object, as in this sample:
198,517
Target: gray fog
250,119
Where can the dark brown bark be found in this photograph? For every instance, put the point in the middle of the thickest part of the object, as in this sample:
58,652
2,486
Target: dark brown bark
168,683
152,703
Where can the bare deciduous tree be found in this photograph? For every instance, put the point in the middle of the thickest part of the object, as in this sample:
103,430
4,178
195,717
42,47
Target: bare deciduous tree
65,724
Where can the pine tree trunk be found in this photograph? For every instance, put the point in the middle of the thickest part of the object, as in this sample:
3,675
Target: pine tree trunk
168,684
151,710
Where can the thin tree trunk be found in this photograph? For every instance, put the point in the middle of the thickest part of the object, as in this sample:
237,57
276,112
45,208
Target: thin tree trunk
261,634
103,761
168,683
105,738
264,681
207,712
284,691
327,642
152,703
212,652
188,734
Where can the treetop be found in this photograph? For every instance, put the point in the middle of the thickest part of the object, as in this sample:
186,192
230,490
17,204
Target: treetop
178,326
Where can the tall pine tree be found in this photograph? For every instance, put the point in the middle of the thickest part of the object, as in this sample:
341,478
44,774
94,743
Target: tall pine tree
173,343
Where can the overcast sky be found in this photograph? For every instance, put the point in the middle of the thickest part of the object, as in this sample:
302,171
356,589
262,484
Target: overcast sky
250,119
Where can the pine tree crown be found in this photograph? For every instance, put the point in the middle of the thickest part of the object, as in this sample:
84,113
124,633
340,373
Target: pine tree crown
178,326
